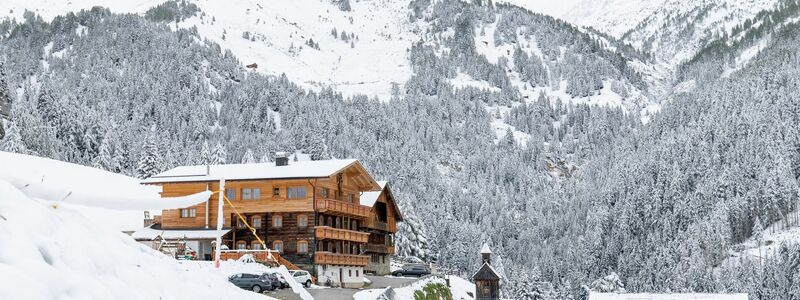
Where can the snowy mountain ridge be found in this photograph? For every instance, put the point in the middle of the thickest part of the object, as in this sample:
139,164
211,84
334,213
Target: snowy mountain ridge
366,57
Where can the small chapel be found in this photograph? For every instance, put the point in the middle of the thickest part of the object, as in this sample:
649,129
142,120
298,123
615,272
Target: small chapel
487,280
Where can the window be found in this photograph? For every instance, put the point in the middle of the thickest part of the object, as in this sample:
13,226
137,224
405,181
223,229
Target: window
277,221
188,213
241,245
302,221
276,191
296,193
350,273
230,194
324,193
256,222
350,198
302,247
277,246
251,194
256,245
357,273
239,223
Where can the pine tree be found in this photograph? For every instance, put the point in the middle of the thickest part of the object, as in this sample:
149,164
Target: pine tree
205,154
248,157
266,158
219,156
150,163
103,160
412,238
758,235
12,142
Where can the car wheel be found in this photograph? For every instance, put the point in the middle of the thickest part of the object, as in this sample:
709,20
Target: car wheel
257,288
308,283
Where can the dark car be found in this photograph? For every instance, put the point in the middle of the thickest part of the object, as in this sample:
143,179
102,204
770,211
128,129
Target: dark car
277,281
412,270
253,282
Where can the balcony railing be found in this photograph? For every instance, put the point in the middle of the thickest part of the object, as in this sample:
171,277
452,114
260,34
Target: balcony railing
337,207
328,258
325,232
379,248
258,255
382,226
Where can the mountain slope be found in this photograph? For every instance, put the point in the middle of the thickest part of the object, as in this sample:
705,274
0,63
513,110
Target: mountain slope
275,36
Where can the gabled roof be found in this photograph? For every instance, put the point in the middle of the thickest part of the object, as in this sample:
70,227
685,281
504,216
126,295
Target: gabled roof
485,249
294,170
486,272
369,199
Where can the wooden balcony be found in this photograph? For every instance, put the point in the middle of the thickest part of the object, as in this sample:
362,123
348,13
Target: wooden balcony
341,208
380,248
260,256
325,232
382,226
328,258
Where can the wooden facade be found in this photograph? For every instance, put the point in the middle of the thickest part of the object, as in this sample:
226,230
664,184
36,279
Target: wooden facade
309,220
382,225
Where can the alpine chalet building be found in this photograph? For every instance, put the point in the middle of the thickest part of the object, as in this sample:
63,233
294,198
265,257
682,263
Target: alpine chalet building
329,217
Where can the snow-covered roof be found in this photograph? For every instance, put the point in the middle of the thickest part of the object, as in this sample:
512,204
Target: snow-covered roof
295,169
486,271
369,198
616,296
149,233
485,249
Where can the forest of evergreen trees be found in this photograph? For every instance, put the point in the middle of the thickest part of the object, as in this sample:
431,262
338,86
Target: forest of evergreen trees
660,204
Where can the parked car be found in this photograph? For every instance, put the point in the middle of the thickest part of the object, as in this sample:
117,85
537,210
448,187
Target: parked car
253,282
301,277
412,270
278,281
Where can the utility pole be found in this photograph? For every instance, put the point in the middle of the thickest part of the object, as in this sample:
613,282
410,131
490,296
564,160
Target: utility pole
220,220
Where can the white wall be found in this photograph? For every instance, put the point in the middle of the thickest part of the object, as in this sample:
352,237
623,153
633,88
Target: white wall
351,276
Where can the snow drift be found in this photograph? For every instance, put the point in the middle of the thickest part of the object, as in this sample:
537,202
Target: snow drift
51,253
62,182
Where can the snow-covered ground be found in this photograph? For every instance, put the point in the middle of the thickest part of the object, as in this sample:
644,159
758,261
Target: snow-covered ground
676,296
773,236
461,289
111,199
60,233
230,267
51,253
278,30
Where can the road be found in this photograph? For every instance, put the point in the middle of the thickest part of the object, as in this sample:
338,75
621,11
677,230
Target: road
378,282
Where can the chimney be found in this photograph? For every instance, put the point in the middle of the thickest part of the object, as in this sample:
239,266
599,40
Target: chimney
281,159
486,254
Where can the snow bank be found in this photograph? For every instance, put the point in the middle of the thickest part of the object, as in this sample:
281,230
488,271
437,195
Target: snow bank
459,287
62,182
231,267
52,253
